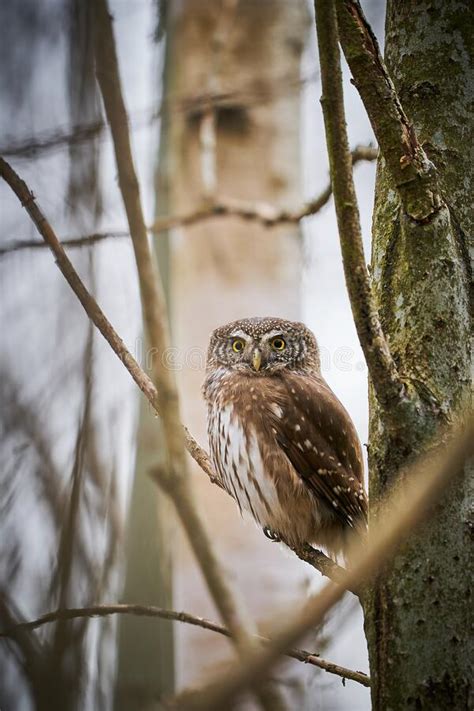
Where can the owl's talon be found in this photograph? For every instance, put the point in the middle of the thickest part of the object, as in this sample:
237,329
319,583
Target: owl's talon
272,535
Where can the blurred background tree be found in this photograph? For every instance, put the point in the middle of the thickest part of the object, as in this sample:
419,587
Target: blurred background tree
69,420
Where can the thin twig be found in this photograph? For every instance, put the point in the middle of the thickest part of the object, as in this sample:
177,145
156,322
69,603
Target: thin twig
388,385
29,651
413,173
263,213
153,611
69,242
408,506
201,458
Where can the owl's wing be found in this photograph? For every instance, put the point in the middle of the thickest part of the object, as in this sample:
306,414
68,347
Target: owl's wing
317,435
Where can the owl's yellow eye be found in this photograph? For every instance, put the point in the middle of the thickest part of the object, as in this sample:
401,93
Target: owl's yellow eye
238,345
278,344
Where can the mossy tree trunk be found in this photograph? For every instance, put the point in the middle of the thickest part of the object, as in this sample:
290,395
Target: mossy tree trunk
417,618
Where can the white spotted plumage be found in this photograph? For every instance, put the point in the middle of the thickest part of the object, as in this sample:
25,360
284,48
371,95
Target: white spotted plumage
236,456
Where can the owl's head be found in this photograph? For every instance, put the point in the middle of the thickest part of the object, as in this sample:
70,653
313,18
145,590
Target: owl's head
263,345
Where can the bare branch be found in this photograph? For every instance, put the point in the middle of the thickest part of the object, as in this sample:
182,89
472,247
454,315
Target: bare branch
413,173
388,385
410,504
263,213
201,457
326,566
153,611
153,299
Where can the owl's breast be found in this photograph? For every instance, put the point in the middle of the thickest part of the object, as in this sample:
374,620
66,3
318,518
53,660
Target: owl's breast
237,457
254,468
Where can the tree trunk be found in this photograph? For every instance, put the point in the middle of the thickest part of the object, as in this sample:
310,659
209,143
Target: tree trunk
417,617
145,669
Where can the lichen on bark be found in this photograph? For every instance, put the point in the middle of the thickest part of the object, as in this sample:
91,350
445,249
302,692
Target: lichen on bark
417,616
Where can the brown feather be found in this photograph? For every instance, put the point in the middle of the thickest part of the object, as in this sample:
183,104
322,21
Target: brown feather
318,437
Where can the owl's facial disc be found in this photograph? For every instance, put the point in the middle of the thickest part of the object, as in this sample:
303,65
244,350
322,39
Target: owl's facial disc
260,354
263,346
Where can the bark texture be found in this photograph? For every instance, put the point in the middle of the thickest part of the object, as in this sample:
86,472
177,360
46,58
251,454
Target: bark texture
417,619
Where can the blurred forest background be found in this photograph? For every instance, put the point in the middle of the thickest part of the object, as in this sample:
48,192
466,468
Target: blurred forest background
222,99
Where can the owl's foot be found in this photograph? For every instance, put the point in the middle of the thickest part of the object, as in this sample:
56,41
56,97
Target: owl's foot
272,535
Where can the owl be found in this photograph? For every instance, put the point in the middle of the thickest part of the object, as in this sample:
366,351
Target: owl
281,442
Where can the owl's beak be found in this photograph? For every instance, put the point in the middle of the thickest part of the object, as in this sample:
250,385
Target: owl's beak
256,359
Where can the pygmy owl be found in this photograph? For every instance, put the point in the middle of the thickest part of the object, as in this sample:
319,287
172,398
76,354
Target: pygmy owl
282,443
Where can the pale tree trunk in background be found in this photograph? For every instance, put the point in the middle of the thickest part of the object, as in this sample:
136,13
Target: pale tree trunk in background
418,618
224,268
145,650
145,670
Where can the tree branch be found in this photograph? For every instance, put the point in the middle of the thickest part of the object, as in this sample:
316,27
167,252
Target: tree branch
153,611
263,213
413,173
326,566
388,385
89,240
153,299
